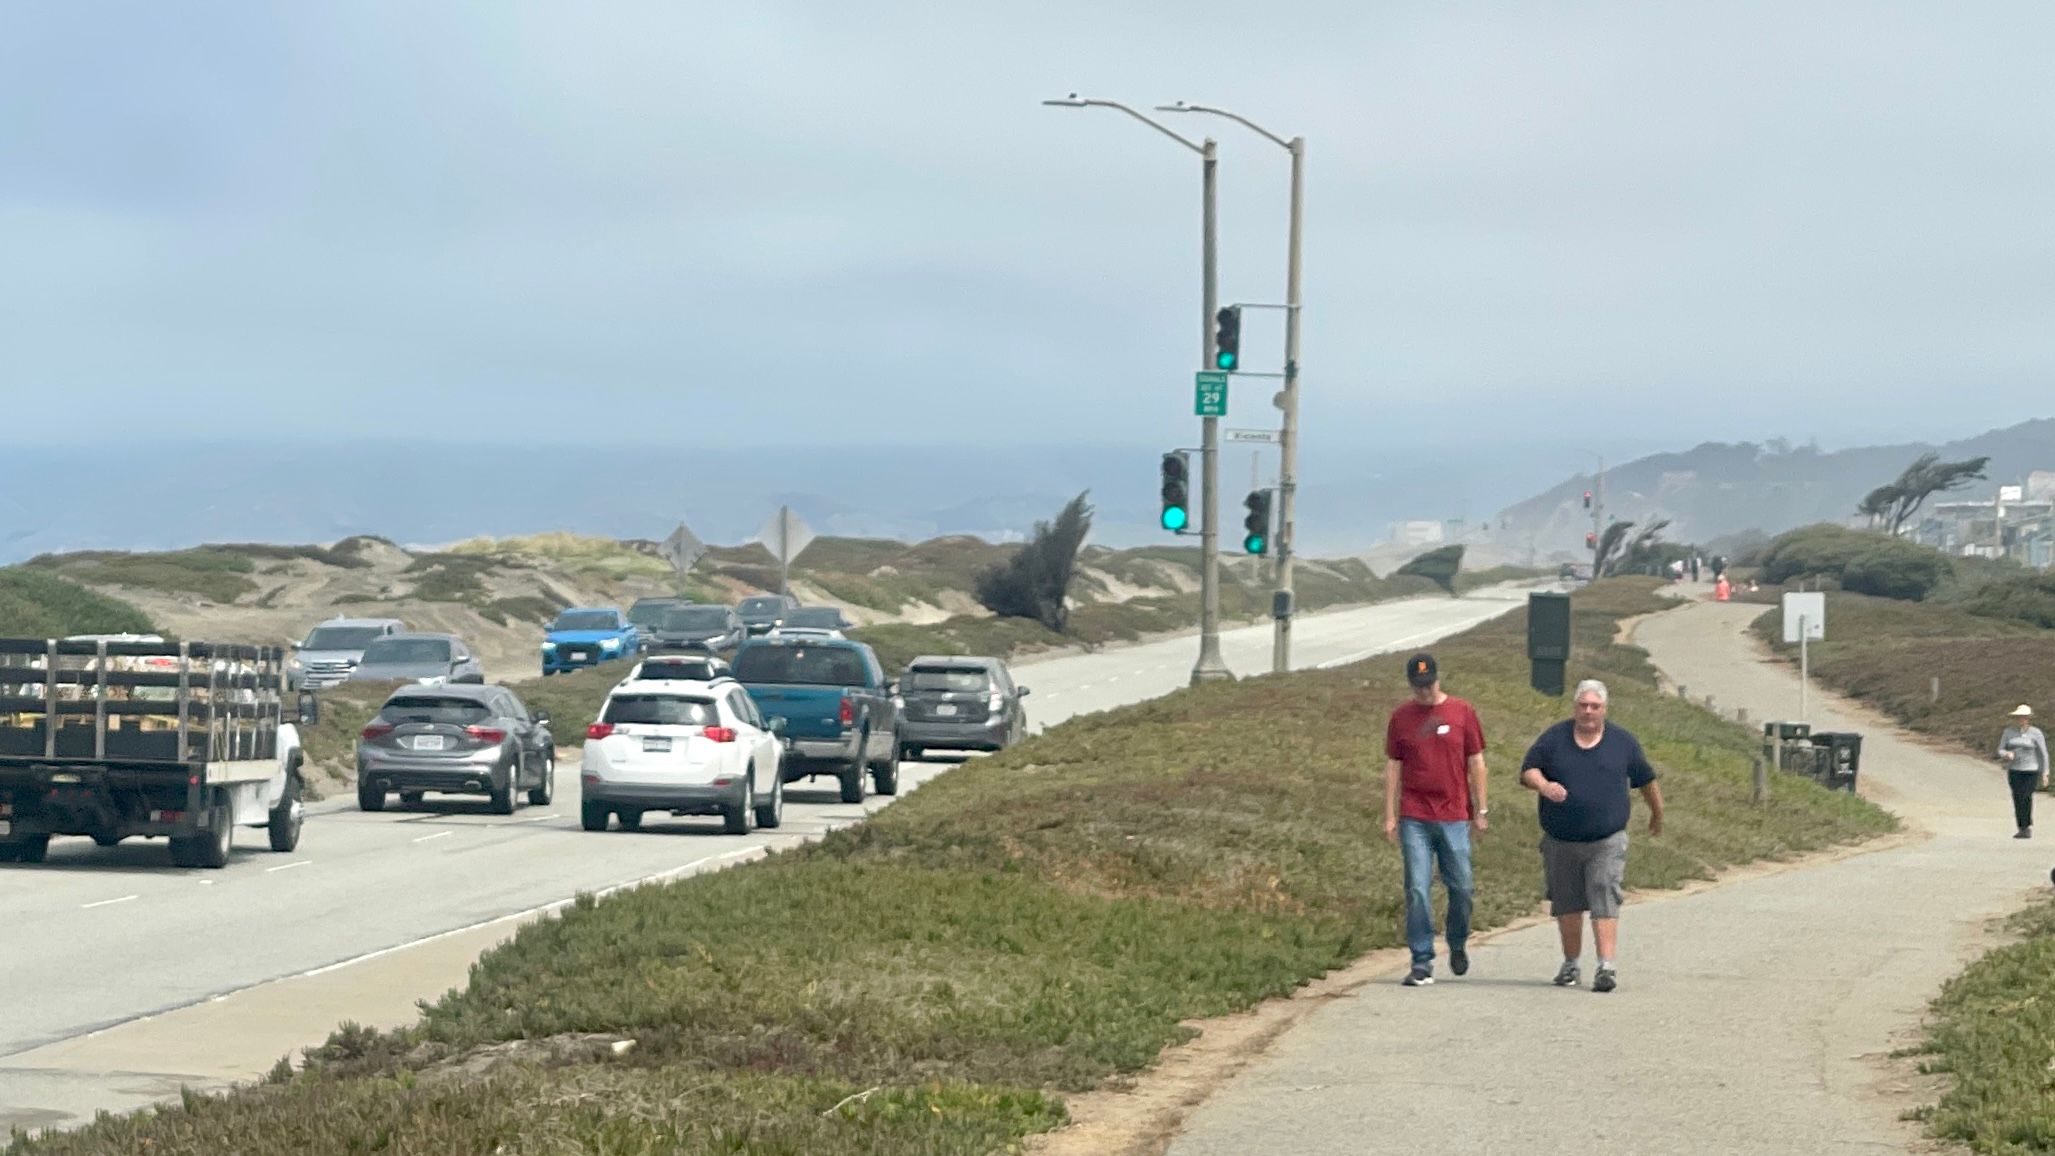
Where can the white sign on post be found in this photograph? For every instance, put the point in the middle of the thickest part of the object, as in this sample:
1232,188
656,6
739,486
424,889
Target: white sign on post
1805,622
682,550
1805,617
785,535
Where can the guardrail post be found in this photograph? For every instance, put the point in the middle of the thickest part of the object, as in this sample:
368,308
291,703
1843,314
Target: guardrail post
1759,783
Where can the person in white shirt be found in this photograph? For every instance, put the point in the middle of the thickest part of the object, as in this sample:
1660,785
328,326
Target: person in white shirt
2023,752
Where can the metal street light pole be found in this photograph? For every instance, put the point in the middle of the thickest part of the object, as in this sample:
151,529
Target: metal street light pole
1597,509
1210,666
1288,399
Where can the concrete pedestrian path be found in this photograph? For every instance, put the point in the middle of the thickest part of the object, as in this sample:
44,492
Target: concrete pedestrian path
1753,1017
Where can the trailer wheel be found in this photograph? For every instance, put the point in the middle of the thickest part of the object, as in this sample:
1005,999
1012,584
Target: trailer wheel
287,817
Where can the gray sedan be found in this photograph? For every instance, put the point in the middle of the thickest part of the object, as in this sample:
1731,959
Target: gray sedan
466,740
434,659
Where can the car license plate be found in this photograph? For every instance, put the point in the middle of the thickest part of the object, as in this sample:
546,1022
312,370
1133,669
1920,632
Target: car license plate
945,709
656,746
427,742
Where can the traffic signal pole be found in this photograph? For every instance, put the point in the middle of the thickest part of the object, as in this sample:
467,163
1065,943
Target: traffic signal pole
1210,666
1288,432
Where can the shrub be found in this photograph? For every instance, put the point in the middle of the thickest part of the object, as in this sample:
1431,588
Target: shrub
1035,582
34,604
1438,566
1865,562
1895,570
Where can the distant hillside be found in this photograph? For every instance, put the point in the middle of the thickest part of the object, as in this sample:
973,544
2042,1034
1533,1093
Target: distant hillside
39,605
1718,489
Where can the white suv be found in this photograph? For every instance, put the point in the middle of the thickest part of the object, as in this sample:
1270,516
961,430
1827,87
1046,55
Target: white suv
686,747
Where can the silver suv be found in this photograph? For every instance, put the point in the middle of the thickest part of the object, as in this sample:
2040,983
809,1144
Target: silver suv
331,651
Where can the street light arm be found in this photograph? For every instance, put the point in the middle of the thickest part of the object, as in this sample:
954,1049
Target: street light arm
1074,101
1245,122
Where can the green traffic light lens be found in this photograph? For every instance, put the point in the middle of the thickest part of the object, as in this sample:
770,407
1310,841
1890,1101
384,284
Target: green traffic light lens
1175,517
1223,360
1253,544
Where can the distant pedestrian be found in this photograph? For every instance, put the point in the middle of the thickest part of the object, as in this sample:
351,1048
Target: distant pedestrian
2023,752
1694,567
1582,768
1434,798
1722,591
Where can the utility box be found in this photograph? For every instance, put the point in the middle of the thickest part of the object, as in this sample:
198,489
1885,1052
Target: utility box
1785,732
1548,641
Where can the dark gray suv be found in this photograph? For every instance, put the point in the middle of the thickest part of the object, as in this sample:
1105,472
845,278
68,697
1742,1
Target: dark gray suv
963,704
462,740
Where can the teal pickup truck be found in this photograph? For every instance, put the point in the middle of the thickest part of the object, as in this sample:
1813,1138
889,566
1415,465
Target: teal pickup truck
840,715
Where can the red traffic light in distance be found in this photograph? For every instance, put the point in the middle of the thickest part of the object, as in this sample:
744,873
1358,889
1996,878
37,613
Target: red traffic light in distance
1591,541
1587,499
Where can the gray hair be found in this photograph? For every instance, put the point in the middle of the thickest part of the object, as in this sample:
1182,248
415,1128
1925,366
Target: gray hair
1590,686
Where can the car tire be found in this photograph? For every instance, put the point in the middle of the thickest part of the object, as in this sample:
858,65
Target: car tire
771,815
736,819
412,798
852,782
885,775
546,791
370,798
505,799
593,816
907,752
288,816
33,849
210,848
630,818
107,840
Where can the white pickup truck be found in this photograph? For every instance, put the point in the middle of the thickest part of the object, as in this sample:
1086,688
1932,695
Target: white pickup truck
135,736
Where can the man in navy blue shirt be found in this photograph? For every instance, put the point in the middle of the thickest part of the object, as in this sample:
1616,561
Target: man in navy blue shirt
1583,769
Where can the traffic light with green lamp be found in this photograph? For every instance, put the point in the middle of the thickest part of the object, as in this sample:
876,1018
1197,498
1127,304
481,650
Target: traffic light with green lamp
1177,478
1227,338
1256,526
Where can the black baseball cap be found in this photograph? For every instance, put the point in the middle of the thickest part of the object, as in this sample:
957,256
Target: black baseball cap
1421,670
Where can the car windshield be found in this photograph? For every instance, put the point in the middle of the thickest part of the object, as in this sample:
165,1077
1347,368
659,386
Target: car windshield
687,670
341,637
817,617
661,709
762,607
647,611
694,618
970,678
390,651
586,620
801,665
421,708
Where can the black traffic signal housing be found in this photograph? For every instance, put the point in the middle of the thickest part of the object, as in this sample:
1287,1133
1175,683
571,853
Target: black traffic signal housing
1587,499
1227,338
1177,487
1256,525
1590,541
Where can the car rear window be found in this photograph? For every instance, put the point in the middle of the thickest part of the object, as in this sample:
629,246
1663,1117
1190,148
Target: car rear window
820,617
761,606
694,618
422,708
971,678
661,709
696,671
801,665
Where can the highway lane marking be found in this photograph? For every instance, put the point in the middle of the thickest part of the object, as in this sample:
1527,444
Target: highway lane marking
108,902
1398,644
287,866
537,910
531,819
437,835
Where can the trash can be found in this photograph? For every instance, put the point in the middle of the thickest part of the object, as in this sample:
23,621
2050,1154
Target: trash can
1843,757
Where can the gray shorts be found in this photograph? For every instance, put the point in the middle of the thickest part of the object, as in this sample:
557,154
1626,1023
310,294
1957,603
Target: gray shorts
1584,877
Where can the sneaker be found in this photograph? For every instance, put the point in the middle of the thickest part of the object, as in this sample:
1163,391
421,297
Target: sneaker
1604,980
1421,976
1459,961
2025,833
1569,976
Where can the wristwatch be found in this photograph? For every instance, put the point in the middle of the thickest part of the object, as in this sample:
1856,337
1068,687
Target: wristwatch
1484,810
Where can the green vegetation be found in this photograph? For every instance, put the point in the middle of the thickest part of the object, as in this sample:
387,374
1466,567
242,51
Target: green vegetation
1993,1034
1886,652
2024,598
1438,566
1034,582
38,604
575,554
1034,923
215,573
1468,580
1864,562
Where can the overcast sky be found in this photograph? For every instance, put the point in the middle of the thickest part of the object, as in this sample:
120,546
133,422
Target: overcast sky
1628,225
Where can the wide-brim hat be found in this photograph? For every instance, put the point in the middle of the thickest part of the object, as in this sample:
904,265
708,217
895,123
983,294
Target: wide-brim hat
2023,711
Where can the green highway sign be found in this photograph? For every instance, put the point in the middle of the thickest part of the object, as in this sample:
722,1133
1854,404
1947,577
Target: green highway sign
1210,396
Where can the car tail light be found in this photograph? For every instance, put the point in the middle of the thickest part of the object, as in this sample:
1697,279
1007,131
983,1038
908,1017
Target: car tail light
377,730
848,712
486,734
599,730
719,734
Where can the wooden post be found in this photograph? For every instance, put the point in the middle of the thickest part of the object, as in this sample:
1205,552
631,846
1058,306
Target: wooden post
1741,715
1759,784
1934,689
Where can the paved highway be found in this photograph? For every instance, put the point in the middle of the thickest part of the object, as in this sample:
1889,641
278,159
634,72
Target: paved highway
128,977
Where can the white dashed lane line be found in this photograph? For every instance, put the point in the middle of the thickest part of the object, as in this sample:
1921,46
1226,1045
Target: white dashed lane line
109,902
287,866
437,835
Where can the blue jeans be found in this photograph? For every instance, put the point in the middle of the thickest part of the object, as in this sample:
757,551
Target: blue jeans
1423,842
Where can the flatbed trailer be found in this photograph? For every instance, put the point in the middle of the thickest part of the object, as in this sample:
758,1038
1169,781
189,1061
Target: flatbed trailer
117,739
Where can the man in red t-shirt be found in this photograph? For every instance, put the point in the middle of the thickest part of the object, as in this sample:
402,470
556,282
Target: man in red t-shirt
1434,785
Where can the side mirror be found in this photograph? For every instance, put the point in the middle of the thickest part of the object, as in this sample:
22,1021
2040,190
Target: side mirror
542,717
891,686
778,726
1020,691
310,708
